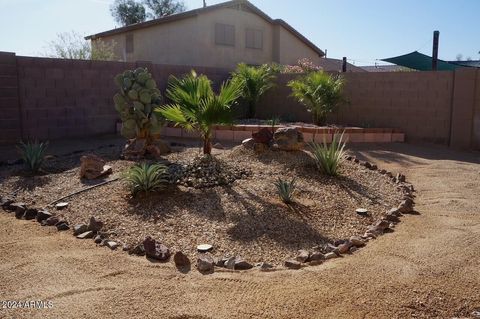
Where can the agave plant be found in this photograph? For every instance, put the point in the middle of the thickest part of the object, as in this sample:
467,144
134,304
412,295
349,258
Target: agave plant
33,154
328,158
255,81
146,177
286,190
320,92
196,107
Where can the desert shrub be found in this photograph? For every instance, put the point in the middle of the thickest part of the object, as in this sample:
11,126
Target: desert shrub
33,154
320,92
146,177
286,190
255,81
328,158
196,107
135,103
304,65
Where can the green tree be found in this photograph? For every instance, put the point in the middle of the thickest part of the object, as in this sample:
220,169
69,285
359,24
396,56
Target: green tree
195,106
72,45
255,81
162,8
127,12
320,92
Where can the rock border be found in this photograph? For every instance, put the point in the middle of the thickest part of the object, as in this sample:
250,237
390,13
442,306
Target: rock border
206,263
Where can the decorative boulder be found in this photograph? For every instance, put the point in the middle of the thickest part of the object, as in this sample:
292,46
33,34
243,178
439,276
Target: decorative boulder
155,250
158,148
263,136
205,263
94,225
248,143
92,167
288,139
181,260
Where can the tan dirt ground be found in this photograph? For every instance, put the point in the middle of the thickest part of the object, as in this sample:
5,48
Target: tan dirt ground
427,268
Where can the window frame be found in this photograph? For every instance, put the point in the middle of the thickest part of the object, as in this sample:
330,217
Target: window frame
222,39
254,32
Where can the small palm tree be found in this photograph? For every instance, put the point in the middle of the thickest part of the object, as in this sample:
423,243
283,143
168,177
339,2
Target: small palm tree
194,105
255,82
320,92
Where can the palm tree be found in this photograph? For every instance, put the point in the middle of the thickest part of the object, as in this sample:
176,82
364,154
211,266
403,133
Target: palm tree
255,82
194,105
320,92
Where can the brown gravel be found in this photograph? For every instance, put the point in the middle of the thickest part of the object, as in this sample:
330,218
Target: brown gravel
245,219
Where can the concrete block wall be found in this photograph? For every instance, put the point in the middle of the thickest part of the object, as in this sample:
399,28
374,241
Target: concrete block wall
10,122
418,103
47,98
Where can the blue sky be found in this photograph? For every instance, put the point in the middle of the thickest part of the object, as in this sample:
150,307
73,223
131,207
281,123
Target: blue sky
362,30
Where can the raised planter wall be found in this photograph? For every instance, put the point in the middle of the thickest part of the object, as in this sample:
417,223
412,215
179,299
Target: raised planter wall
238,133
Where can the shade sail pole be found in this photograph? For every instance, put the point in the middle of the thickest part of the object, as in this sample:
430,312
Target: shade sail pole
436,36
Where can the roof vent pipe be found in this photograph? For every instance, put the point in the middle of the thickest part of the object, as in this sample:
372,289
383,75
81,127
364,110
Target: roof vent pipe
204,3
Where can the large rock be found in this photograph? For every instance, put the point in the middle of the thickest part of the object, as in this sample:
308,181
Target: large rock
79,229
406,207
288,139
155,250
94,224
248,143
302,256
205,263
30,213
43,215
92,167
158,148
181,260
293,264
241,264
264,136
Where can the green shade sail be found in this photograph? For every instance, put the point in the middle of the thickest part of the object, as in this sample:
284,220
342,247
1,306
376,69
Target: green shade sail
420,62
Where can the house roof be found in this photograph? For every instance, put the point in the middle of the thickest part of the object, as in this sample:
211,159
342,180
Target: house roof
196,12
383,68
335,65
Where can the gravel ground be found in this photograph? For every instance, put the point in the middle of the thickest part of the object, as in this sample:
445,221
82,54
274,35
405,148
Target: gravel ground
245,218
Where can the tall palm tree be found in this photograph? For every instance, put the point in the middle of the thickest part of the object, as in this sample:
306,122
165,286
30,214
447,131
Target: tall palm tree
320,92
255,82
194,105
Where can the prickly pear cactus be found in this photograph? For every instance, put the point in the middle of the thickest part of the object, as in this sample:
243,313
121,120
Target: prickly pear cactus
135,103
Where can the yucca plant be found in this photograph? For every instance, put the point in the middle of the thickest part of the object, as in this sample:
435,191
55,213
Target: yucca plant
33,154
255,81
320,92
286,190
328,158
146,177
196,107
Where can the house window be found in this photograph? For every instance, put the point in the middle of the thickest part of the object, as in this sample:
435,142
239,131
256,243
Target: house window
224,34
129,43
254,39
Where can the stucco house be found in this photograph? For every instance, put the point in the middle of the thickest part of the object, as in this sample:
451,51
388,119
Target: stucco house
220,35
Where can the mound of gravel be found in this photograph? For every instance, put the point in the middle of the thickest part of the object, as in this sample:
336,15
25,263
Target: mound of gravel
205,172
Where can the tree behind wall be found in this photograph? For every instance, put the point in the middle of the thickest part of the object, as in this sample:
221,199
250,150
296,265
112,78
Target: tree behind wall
127,12
72,45
163,8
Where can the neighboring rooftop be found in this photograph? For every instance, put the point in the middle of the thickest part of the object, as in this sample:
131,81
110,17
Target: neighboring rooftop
192,13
